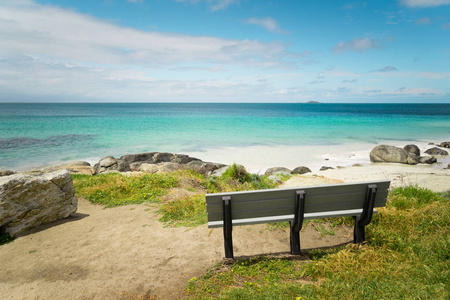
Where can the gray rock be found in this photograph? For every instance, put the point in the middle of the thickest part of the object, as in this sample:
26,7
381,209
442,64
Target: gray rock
436,151
275,170
427,160
167,167
324,168
445,145
219,172
204,168
27,201
301,170
111,164
412,149
157,157
148,168
6,172
75,167
391,154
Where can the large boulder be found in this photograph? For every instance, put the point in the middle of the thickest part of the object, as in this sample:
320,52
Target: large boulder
27,201
75,167
6,172
301,170
436,151
391,154
412,149
427,159
111,164
275,170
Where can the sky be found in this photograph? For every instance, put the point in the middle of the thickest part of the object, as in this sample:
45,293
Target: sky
292,51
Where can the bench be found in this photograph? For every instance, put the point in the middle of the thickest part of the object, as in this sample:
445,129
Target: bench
295,205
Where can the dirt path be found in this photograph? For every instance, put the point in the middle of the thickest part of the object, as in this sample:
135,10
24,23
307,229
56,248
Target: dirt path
126,253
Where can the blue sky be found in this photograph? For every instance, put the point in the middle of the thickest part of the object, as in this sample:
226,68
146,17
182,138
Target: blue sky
224,51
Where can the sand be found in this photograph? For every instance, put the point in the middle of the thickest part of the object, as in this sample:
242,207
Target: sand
126,253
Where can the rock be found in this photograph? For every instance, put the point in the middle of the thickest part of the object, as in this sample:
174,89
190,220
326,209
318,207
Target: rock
219,172
27,201
436,151
111,164
391,154
147,168
75,167
427,160
273,171
204,168
167,167
445,145
301,170
6,172
324,168
156,157
357,165
413,149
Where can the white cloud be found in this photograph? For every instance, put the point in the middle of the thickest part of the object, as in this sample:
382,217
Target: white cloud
358,45
424,3
55,32
268,23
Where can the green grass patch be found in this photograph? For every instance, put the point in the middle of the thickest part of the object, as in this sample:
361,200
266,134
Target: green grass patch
5,238
114,189
187,211
407,256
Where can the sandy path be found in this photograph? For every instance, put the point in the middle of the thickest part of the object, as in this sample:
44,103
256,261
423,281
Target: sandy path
125,252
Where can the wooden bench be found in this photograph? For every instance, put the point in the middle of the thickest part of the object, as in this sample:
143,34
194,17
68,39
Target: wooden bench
295,205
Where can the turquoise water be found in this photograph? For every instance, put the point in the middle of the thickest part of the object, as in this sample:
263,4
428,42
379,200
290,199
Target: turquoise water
36,135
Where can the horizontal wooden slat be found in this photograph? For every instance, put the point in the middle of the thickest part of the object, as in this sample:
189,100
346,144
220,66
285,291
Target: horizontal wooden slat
288,218
278,202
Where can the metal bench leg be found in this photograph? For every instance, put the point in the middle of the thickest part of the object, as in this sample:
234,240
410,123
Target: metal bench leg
227,227
297,223
359,234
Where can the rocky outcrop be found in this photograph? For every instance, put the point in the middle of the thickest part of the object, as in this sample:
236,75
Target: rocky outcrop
436,151
301,170
135,160
412,149
27,201
391,154
75,167
275,170
6,173
111,164
445,145
324,168
205,168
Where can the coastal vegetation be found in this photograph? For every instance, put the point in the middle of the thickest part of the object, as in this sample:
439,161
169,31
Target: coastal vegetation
406,256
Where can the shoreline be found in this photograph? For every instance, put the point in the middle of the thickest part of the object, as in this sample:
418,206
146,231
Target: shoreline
258,158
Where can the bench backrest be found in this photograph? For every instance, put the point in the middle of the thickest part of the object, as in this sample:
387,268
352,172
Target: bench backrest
281,202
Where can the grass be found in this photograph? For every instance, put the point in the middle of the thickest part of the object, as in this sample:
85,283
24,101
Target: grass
5,238
407,256
114,189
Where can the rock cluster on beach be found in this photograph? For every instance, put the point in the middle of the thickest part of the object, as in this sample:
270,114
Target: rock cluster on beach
410,154
27,201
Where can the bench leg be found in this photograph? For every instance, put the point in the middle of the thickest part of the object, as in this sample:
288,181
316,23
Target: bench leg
227,227
359,232
297,224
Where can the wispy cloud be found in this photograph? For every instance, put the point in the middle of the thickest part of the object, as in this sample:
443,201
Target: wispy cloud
423,21
268,23
357,45
446,26
136,1
215,5
386,69
424,3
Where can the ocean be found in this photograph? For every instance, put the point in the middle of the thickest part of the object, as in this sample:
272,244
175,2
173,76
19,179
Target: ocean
35,135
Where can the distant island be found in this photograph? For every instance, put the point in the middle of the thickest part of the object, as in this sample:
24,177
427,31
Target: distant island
313,102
